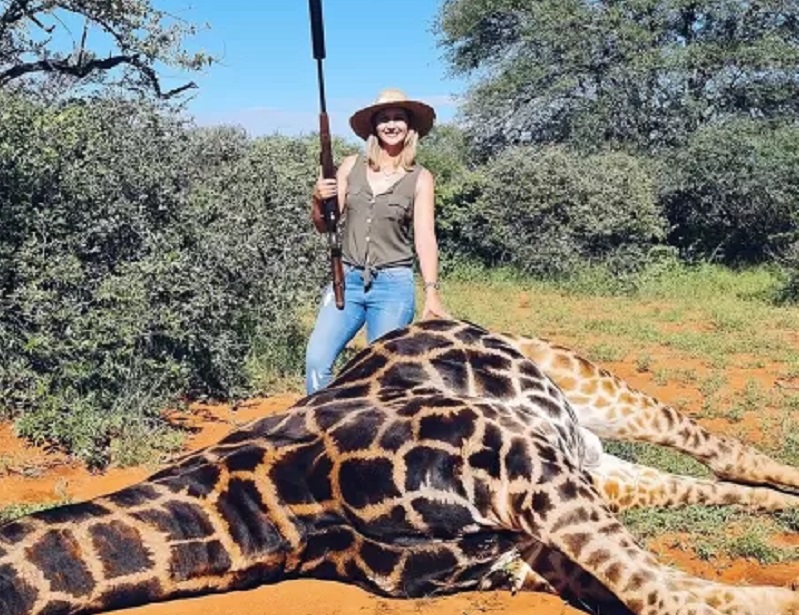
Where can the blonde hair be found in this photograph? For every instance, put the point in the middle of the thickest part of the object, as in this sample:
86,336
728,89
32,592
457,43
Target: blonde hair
406,158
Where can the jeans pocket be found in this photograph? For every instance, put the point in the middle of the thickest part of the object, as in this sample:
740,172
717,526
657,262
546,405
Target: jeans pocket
396,274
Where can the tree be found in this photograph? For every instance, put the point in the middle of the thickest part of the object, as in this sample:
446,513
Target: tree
641,73
143,260
730,193
61,41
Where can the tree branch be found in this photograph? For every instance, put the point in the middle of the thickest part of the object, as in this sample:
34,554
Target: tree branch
20,9
85,68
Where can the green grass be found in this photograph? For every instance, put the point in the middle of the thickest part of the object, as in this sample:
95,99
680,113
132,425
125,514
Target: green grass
608,351
14,511
643,363
145,445
714,531
7,463
722,300
699,520
663,459
701,323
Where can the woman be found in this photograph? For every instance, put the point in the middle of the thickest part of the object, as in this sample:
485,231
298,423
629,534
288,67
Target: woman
383,195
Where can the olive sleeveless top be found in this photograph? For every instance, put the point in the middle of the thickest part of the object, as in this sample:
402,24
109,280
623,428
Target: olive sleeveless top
377,228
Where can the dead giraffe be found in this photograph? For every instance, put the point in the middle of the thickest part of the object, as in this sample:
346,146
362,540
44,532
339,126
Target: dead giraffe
441,459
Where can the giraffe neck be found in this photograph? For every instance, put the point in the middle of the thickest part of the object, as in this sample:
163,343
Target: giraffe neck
142,544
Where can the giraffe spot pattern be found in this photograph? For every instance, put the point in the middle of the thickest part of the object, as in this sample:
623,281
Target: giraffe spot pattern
367,481
14,531
248,522
74,513
518,461
133,593
16,594
493,385
396,434
368,365
427,467
333,539
359,432
382,559
440,521
197,482
422,569
394,526
55,607
303,476
119,548
59,557
245,459
138,495
402,376
198,559
453,428
451,367
178,520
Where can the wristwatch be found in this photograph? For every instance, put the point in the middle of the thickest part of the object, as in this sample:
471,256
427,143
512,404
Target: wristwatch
431,285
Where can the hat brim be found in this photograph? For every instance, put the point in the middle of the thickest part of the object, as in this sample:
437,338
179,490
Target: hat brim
423,116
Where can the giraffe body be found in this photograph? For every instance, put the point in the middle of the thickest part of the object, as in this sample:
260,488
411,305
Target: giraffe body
441,459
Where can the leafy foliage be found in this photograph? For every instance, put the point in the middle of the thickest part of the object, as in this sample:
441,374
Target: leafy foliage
458,183
140,260
731,193
790,291
639,73
38,46
549,210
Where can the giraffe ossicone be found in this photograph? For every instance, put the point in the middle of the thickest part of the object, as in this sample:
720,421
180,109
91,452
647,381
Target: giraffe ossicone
443,458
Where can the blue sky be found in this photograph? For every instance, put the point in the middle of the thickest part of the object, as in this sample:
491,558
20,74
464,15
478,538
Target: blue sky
266,78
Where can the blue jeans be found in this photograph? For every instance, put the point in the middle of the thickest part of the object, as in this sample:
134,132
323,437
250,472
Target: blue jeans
388,304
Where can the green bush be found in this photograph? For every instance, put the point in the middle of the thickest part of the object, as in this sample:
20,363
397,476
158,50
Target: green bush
445,152
789,293
731,193
550,211
142,260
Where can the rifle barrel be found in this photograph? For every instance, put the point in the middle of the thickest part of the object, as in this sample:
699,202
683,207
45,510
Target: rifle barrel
317,31
330,206
320,77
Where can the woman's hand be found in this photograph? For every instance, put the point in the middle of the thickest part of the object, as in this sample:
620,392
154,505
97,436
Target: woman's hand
433,307
325,189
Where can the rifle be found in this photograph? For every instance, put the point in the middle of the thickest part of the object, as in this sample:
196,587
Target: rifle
330,208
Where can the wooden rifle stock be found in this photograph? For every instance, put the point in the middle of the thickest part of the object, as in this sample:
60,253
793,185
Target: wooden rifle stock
330,209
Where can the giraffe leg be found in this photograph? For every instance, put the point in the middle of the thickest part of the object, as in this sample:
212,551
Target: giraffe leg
549,570
564,512
626,485
610,408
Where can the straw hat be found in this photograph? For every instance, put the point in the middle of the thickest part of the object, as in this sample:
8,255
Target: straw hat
422,115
